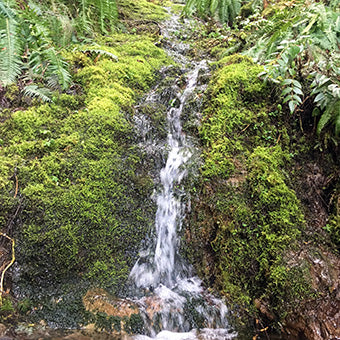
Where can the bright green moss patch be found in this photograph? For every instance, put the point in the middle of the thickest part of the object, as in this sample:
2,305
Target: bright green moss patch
248,216
83,192
138,60
141,10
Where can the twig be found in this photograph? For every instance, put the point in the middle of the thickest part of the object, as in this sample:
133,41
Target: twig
245,128
14,216
278,138
7,267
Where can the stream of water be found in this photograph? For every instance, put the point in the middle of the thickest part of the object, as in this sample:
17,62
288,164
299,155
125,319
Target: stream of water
173,301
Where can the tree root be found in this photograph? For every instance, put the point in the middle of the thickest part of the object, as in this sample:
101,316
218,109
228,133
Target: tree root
7,266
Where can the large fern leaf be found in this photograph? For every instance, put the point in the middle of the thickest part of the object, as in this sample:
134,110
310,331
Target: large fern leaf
221,10
10,52
100,51
34,91
57,68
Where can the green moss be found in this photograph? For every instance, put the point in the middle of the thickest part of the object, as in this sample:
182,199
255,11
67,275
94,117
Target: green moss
248,216
138,59
141,10
86,197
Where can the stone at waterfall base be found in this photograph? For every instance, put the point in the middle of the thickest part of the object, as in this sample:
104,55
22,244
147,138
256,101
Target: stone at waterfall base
99,302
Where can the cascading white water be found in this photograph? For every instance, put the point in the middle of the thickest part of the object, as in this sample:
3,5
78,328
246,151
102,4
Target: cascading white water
175,304
161,267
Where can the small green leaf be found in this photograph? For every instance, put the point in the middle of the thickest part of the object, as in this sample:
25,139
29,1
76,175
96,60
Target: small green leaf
298,91
292,106
287,82
287,99
296,84
287,90
292,72
297,98
319,97
324,120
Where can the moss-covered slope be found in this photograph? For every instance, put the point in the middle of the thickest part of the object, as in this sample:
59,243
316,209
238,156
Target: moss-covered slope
82,203
246,210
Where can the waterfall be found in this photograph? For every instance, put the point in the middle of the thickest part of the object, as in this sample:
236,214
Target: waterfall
175,304
161,268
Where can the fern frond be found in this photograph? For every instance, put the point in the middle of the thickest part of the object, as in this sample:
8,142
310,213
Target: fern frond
190,7
57,67
33,91
10,53
221,10
213,6
6,11
99,51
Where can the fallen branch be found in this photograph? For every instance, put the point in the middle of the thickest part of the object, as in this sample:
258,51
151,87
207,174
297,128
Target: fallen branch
7,267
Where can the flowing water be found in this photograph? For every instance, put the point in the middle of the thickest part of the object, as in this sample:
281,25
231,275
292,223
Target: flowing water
173,301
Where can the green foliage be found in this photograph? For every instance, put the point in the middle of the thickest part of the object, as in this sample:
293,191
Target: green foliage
300,49
41,93
26,51
10,45
95,15
327,100
137,60
222,10
141,10
6,307
100,52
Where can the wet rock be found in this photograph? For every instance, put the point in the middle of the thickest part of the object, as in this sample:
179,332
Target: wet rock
3,329
77,336
153,306
319,319
98,300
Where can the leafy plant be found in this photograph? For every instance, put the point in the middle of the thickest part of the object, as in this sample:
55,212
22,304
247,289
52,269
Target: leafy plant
97,14
10,45
299,47
34,91
99,51
221,10
27,51
283,73
327,100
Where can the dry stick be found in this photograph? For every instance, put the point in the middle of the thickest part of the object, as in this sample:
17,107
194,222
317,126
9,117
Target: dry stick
245,128
7,267
278,138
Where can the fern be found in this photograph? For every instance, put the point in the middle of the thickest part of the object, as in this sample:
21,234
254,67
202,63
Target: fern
97,14
10,47
107,13
7,11
99,51
222,10
33,91
57,69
